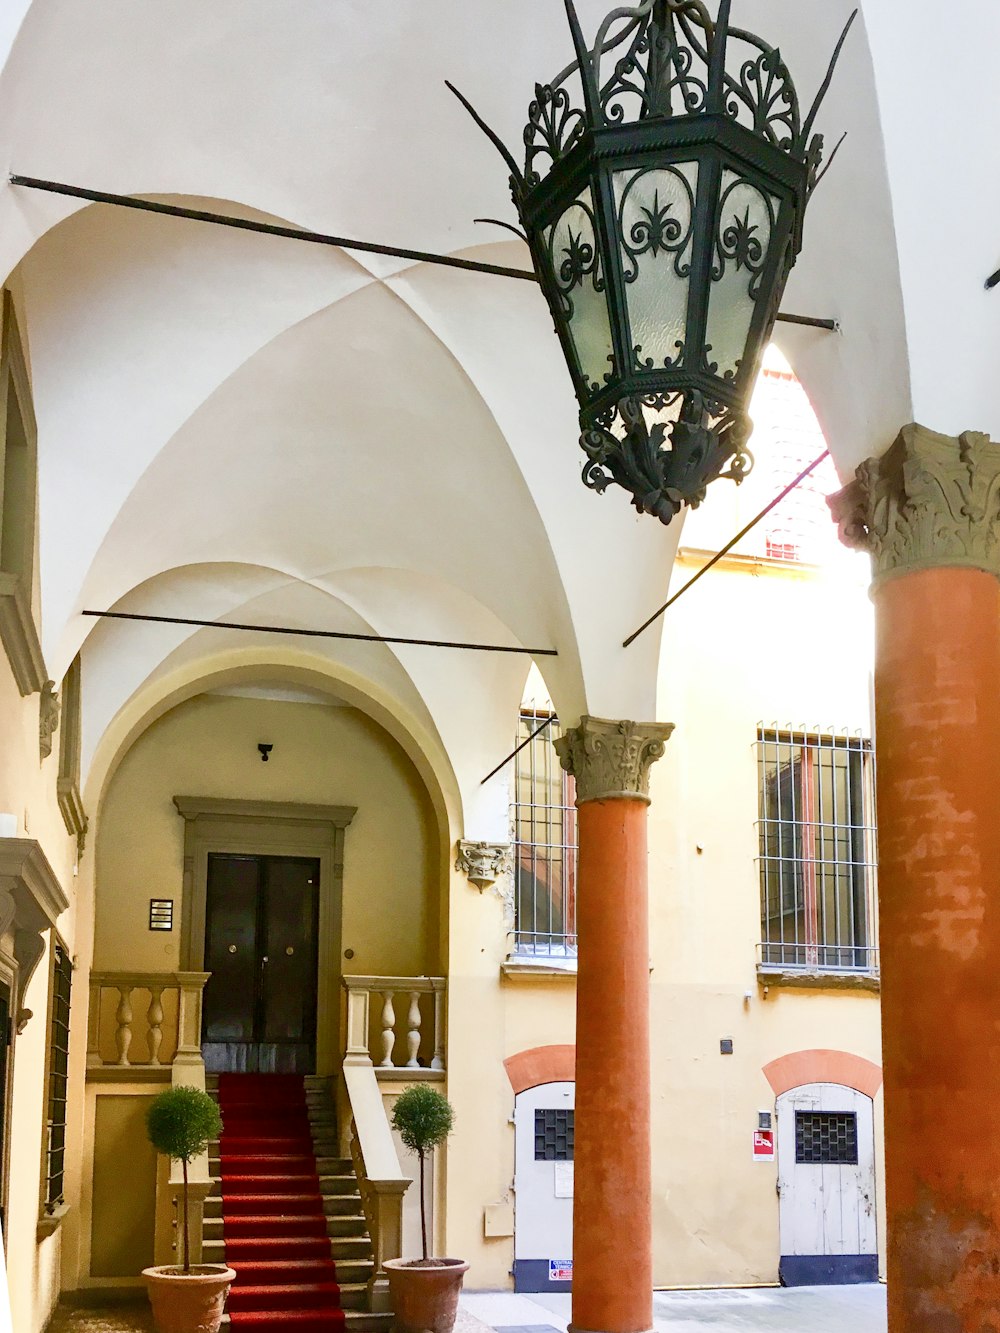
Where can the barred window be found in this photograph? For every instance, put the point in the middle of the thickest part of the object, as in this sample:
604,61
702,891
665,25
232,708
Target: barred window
544,819
817,851
55,1156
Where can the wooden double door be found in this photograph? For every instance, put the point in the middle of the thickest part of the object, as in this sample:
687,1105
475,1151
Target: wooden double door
261,934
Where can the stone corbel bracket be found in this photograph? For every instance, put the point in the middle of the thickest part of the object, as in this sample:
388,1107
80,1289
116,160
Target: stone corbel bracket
31,901
48,718
484,862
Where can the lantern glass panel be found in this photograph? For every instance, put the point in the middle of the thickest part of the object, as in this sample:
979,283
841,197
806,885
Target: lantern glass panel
655,214
746,223
575,265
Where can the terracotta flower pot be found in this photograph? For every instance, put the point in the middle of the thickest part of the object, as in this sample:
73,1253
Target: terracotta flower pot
188,1302
425,1293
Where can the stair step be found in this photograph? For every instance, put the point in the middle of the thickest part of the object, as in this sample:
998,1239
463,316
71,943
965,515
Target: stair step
332,1169
332,1204
295,1228
356,1321
351,1228
283,1297
353,1295
309,1224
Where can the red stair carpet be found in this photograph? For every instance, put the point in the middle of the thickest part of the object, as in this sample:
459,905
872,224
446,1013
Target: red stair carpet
272,1211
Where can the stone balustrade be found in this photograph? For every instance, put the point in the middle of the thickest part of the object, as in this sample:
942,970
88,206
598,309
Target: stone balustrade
396,1024
141,1023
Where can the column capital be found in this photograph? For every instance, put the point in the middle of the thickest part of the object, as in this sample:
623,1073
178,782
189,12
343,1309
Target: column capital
611,760
931,501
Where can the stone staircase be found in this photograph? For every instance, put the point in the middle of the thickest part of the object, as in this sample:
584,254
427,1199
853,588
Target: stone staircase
350,1244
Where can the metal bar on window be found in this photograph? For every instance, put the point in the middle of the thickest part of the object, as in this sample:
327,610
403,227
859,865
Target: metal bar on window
816,850
544,817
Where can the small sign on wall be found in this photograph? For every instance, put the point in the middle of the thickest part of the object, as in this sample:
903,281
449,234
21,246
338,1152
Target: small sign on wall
563,1180
763,1145
161,914
560,1270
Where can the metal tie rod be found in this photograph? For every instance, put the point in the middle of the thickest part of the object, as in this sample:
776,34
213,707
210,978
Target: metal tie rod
322,633
679,593
313,237
728,547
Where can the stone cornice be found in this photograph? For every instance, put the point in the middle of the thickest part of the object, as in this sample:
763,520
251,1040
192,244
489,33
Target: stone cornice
31,900
215,808
25,869
611,760
931,501
19,637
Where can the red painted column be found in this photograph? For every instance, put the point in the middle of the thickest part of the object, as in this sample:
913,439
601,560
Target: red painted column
938,729
928,512
612,1232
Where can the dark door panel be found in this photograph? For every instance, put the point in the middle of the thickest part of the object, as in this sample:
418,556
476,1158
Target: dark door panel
261,948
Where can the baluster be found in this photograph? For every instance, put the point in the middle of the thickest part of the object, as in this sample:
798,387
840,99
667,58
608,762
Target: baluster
413,1035
388,1030
94,1025
123,1017
438,1061
154,1017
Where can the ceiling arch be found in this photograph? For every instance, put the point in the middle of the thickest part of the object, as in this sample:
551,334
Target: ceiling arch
246,666
466,701
346,127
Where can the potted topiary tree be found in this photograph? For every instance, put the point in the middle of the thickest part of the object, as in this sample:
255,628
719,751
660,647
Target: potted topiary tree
424,1291
181,1123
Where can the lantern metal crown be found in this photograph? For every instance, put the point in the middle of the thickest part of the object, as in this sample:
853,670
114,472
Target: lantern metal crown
663,191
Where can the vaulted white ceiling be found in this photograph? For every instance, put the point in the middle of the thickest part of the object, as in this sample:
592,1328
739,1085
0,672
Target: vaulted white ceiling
239,426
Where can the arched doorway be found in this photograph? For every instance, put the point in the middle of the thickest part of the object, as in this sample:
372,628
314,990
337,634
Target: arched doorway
826,1185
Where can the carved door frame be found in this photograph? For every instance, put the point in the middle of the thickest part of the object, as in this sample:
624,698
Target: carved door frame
271,828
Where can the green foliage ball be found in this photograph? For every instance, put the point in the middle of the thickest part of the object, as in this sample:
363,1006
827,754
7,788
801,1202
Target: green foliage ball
423,1118
181,1123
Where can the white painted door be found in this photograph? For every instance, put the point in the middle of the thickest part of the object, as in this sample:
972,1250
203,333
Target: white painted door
826,1183
543,1187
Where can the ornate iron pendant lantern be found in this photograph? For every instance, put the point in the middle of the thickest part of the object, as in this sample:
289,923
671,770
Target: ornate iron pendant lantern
663,192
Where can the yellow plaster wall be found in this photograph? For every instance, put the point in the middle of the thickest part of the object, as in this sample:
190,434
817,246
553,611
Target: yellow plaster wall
322,755
28,792
755,643
123,1205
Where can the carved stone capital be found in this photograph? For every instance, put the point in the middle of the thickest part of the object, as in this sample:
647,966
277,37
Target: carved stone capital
929,502
611,760
48,718
483,862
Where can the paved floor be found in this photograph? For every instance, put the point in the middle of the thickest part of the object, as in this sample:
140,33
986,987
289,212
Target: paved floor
798,1310
793,1310
119,1319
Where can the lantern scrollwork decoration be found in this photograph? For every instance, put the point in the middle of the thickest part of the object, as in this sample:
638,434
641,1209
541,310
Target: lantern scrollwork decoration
663,190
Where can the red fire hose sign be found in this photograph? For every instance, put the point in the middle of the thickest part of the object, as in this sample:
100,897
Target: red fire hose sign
763,1145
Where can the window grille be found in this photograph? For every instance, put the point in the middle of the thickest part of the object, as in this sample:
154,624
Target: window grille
55,1157
554,1135
544,819
826,1138
817,851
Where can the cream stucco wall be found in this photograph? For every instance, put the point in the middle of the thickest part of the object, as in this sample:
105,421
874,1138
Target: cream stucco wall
758,641
325,755
27,791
